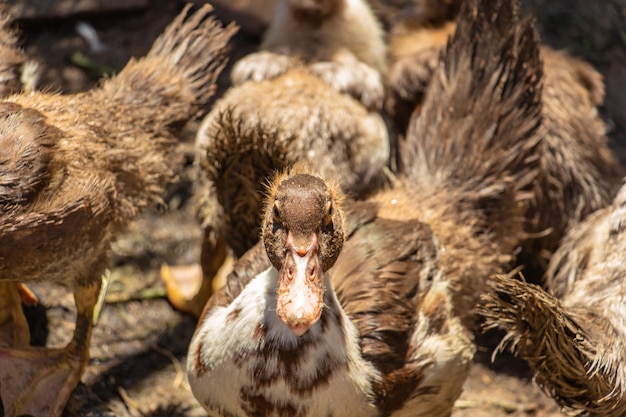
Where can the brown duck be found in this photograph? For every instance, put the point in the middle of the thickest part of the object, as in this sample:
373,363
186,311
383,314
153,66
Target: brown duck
367,334
13,62
577,173
574,335
74,171
307,118
467,155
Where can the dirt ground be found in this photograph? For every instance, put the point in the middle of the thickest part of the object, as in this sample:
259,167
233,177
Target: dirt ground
139,344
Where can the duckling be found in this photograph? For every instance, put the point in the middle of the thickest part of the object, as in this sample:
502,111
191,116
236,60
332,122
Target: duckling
330,316
75,170
340,41
574,335
309,117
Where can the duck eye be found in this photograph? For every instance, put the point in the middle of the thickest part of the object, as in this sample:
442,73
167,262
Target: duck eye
329,213
276,211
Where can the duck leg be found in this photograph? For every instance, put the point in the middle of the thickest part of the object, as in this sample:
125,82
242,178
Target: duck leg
39,381
14,329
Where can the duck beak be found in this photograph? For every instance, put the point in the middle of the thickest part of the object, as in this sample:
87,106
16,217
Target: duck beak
300,285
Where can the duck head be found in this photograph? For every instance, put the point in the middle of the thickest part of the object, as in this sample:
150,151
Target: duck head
303,236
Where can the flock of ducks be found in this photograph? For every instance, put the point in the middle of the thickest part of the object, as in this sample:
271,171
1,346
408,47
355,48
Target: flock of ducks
377,204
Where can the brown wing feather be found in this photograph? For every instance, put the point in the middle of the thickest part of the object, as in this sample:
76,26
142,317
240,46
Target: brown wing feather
380,278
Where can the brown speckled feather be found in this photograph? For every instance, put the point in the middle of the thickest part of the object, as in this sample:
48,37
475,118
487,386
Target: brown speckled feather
381,291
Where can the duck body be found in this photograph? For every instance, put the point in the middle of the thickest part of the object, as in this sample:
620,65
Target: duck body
75,171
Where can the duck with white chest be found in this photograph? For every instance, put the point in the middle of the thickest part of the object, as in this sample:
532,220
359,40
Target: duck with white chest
298,340
268,329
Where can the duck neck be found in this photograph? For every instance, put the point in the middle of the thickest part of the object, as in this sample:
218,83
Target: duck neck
333,340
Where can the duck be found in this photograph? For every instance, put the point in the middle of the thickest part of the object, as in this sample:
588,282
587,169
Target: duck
13,63
578,172
75,170
340,41
316,320
342,132
290,302
571,331
466,161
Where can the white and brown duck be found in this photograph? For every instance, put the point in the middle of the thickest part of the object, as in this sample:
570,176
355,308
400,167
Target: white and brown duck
74,171
574,334
308,118
310,325
293,334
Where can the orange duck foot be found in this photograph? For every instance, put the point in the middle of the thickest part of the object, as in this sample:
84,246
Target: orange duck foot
38,381
189,287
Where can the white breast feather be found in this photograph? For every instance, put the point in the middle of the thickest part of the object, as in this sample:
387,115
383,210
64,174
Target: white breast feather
346,393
